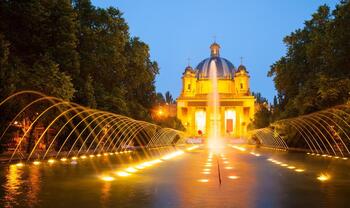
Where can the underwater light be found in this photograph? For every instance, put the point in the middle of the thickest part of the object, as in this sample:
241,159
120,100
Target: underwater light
131,170
19,164
107,178
122,173
233,177
36,163
51,161
140,166
323,177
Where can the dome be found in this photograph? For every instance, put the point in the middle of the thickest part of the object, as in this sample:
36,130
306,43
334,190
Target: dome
225,68
242,68
189,70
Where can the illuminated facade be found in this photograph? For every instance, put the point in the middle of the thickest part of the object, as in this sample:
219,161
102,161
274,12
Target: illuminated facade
236,105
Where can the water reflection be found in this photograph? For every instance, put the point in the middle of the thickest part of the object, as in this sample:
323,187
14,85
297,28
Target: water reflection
174,183
34,186
105,194
12,186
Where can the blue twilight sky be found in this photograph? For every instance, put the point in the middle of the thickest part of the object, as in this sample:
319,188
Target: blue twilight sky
182,29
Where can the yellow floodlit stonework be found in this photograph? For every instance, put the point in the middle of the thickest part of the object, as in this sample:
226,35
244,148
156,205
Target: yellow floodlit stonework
236,104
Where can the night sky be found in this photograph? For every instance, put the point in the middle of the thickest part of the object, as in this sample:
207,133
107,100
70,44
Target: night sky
184,29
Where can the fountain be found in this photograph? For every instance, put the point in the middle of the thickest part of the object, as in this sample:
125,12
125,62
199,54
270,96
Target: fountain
58,129
214,141
325,133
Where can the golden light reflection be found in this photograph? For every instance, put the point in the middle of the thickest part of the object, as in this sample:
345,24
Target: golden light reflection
299,170
63,159
215,145
228,167
206,172
13,182
239,148
192,148
34,181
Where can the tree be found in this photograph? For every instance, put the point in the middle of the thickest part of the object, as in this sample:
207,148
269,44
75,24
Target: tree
168,97
314,74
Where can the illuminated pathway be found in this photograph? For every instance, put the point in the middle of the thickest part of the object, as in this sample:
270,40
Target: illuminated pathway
236,177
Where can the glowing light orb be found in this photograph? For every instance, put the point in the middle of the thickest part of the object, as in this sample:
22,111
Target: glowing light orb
98,155
233,177
140,167
107,178
203,180
36,163
323,177
131,170
92,156
63,159
19,164
291,167
74,158
299,170
83,157
228,167
206,172
51,161
122,174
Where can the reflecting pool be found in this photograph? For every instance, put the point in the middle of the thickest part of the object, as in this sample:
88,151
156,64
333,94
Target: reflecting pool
196,178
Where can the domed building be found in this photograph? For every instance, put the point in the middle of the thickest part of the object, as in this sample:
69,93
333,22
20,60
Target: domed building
235,102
